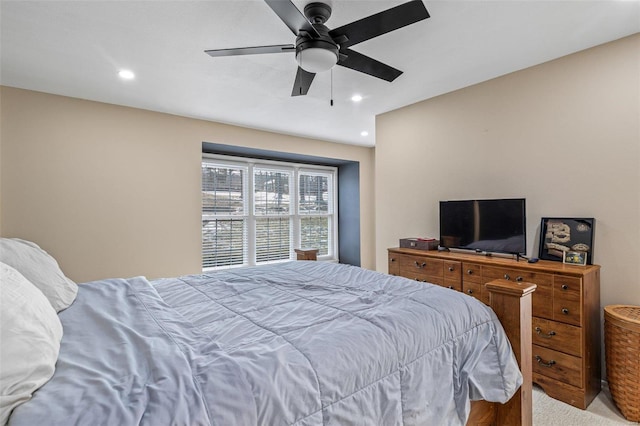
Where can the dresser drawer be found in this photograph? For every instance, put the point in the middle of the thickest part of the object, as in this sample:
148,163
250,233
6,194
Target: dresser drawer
568,311
453,271
558,336
471,272
423,278
421,265
472,289
567,299
557,365
394,264
542,300
570,286
490,273
453,284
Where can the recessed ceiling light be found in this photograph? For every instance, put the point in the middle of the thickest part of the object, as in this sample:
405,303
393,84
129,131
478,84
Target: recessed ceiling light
364,133
126,74
356,98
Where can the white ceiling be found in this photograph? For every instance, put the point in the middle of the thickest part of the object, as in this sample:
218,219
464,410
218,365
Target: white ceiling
75,48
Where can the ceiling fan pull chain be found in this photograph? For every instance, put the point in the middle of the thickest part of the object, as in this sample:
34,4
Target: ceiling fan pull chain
331,86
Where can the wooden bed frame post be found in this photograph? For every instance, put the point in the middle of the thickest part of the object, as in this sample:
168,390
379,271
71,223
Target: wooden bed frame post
511,301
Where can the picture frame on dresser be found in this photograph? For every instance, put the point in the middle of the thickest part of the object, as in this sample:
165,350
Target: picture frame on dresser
559,235
574,258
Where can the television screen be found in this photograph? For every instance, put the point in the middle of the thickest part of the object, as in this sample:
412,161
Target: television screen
496,226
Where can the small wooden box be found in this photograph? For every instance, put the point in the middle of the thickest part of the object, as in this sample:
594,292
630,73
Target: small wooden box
307,254
419,244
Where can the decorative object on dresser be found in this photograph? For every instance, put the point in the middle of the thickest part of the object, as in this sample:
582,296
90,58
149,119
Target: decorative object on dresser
566,311
574,257
419,243
561,235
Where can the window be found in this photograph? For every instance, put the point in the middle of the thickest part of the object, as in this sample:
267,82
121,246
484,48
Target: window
256,211
314,206
224,215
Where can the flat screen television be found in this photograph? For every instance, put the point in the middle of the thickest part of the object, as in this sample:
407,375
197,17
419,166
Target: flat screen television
492,226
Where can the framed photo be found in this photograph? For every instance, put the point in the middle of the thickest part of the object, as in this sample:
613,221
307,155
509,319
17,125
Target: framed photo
574,257
559,235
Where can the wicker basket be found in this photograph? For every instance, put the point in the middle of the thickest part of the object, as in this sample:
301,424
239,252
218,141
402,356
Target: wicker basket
622,351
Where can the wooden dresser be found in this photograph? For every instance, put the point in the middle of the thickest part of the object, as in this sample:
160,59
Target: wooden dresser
566,311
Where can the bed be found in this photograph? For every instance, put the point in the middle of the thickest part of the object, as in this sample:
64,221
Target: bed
297,343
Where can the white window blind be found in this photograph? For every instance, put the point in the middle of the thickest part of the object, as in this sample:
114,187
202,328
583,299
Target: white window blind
255,211
224,215
316,210
273,239
272,207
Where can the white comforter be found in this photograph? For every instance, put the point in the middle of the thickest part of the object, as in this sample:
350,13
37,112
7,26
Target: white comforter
301,343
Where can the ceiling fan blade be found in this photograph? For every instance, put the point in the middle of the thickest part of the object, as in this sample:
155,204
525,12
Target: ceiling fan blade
380,23
278,48
302,83
359,62
291,16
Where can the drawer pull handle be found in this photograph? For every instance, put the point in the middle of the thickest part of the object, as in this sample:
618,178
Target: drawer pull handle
507,277
470,271
546,336
565,287
565,311
470,291
519,279
420,265
451,269
545,364
393,259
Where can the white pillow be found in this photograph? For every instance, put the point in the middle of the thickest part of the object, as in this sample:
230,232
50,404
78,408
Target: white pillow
40,269
30,332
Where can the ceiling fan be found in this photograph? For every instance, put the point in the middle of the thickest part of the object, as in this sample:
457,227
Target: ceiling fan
318,48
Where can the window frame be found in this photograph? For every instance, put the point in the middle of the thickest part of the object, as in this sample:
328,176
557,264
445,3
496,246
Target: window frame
250,165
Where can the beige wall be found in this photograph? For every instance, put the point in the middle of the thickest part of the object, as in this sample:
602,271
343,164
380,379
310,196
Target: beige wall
565,135
112,191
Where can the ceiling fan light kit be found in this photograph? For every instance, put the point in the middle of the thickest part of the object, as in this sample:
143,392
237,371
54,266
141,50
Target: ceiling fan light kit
317,54
317,59
319,49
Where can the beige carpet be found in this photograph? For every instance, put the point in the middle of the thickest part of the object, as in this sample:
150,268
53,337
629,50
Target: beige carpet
550,412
